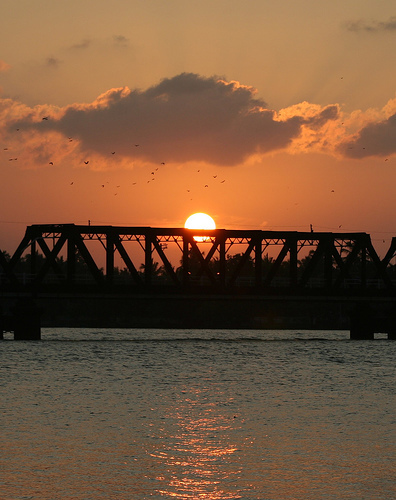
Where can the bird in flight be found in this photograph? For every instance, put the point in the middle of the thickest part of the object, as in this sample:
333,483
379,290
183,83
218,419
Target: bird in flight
86,162
45,117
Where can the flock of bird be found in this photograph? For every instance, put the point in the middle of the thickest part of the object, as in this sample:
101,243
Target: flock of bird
152,177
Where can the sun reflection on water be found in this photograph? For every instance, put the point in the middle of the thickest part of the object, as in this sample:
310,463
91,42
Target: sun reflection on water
200,460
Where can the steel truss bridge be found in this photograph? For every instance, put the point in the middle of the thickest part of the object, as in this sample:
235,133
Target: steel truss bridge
146,259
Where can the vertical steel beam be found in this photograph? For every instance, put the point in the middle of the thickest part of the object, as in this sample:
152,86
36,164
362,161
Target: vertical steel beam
328,262
148,261
222,258
258,261
185,260
110,258
293,260
363,269
33,258
71,260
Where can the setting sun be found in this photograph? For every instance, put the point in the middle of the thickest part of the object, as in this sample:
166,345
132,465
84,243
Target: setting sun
200,221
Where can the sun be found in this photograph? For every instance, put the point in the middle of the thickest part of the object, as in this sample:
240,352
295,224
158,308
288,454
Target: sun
200,221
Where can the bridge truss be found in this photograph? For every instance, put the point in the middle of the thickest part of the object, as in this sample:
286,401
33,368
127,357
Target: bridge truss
220,260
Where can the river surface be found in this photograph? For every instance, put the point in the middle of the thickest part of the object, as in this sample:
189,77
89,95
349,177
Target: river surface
197,414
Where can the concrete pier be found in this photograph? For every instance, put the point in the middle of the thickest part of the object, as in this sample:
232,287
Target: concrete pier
361,330
365,322
26,320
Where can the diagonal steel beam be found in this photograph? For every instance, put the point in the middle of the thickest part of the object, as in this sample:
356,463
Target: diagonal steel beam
84,252
242,262
127,260
313,262
380,266
276,265
52,254
50,260
204,264
168,266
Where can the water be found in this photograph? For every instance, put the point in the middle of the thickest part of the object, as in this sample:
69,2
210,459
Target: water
160,414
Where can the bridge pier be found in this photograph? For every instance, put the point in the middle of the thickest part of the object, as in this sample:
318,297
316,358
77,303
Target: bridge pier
361,329
392,333
390,326
364,323
26,320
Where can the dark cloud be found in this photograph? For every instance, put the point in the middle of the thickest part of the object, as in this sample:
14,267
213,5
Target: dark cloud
373,26
84,44
185,118
375,139
329,113
52,62
121,40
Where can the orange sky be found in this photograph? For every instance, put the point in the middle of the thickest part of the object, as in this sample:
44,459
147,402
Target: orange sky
264,114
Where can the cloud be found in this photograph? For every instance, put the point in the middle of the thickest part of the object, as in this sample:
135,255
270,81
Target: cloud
52,62
321,127
33,148
191,118
84,44
4,66
181,119
373,26
375,139
121,40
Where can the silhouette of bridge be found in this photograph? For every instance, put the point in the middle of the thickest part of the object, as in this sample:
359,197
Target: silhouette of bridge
234,266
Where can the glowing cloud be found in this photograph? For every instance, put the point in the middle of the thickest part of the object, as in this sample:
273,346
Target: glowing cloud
182,119
190,118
